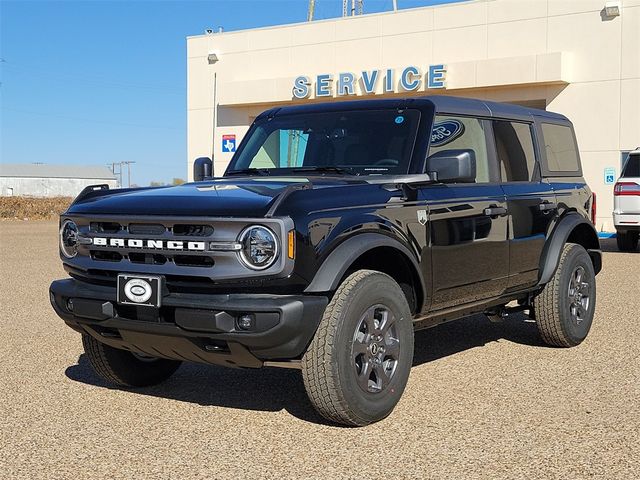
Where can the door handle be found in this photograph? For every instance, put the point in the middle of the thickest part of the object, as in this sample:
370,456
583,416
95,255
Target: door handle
495,211
547,206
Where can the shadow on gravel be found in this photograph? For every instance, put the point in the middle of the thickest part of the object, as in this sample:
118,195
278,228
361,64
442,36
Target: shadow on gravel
273,389
610,245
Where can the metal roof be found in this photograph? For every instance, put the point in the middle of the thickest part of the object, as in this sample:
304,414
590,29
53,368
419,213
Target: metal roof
41,170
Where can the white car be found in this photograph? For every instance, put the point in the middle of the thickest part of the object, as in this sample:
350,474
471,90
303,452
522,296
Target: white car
626,203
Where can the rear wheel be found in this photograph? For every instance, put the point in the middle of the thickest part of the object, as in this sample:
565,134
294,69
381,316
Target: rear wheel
124,368
359,360
564,309
627,241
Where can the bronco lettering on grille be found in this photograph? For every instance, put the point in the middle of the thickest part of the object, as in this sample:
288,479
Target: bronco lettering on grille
149,244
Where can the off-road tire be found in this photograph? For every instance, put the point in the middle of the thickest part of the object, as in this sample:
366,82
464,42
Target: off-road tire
627,241
123,368
552,306
328,368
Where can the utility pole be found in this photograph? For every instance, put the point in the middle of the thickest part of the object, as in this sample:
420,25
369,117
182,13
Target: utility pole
395,5
128,164
345,7
312,7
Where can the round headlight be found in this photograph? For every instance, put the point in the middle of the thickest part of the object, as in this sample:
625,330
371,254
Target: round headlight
259,247
69,239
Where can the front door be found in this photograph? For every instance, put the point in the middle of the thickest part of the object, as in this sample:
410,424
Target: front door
467,228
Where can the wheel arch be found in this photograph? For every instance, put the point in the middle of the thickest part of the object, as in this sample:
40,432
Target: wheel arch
572,228
372,251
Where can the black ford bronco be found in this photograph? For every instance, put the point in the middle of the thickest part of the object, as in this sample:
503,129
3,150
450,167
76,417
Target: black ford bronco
335,232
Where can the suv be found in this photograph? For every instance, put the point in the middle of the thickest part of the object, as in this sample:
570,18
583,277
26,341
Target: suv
336,231
626,204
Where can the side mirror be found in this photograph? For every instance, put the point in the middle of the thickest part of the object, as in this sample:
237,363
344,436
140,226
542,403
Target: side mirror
452,166
202,168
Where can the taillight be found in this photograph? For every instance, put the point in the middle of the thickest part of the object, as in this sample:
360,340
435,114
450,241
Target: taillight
594,206
626,188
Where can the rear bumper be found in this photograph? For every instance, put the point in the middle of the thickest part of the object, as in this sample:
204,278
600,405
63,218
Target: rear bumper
194,327
625,222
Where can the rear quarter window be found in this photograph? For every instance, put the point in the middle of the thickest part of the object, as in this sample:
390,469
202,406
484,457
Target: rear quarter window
560,148
631,166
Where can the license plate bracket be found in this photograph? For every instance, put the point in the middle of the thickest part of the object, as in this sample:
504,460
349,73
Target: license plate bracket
143,290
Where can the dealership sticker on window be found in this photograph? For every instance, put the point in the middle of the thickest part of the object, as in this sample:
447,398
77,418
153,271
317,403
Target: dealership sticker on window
445,132
228,143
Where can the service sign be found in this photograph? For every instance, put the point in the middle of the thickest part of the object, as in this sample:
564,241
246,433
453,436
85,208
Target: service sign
369,82
228,143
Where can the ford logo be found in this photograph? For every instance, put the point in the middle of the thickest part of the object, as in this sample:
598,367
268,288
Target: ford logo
138,290
445,132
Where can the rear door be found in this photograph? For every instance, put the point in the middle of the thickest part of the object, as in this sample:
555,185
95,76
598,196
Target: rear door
530,200
467,226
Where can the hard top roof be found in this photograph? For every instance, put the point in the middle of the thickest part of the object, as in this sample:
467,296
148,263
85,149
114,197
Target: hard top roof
441,104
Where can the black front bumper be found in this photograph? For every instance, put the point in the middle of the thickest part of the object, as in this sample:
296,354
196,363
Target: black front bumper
194,327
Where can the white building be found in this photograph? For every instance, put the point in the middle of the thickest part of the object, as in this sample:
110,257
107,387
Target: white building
575,57
41,180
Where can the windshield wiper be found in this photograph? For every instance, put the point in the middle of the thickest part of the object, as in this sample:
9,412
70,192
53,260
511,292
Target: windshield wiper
250,171
324,169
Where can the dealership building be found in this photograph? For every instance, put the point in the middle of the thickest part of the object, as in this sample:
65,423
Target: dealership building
580,58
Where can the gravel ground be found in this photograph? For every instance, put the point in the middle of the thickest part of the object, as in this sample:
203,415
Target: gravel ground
483,400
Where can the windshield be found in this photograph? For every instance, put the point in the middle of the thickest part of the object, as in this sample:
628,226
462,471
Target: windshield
350,142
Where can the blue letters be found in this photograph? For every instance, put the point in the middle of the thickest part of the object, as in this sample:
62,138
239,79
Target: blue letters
410,79
323,85
388,81
436,76
345,84
301,87
369,80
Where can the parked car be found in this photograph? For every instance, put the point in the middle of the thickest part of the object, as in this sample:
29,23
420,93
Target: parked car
336,231
626,204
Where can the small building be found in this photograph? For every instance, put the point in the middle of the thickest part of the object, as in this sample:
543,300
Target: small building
42,180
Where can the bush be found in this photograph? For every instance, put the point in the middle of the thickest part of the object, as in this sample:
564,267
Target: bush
33,208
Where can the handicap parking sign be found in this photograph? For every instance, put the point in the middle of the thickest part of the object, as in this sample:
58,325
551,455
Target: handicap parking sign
609,176
228,143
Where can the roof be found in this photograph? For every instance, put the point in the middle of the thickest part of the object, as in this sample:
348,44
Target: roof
441,104
41,170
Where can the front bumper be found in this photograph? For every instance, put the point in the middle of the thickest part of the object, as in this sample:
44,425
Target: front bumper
193,327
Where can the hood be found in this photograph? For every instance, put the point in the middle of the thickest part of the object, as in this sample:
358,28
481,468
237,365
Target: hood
237,197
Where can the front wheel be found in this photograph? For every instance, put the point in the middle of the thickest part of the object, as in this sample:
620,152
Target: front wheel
124,368
358,363
565,307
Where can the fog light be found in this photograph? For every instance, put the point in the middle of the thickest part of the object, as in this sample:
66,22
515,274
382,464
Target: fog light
246,321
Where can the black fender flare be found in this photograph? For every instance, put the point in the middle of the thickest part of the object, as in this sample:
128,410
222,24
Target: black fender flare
328,276
555,243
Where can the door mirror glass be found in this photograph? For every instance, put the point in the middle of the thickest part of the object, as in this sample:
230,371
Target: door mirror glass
452,166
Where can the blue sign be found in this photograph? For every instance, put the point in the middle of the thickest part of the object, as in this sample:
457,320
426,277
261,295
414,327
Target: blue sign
445,132
228,143
609,176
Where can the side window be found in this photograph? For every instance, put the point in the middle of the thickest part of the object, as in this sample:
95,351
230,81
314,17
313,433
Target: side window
454,133
514,147
560,146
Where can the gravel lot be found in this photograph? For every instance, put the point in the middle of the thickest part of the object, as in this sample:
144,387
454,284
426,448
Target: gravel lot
483,400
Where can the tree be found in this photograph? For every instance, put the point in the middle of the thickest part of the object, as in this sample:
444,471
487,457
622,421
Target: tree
156,184
177,181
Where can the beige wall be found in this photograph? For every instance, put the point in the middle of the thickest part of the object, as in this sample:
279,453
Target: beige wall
562,52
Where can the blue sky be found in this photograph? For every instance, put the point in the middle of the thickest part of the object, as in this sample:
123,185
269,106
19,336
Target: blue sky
94,82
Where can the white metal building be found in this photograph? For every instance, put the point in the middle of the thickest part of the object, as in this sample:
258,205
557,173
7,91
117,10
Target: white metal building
41,180
580,58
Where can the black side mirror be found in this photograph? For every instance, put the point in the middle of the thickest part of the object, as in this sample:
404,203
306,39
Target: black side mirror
452,166
202,168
